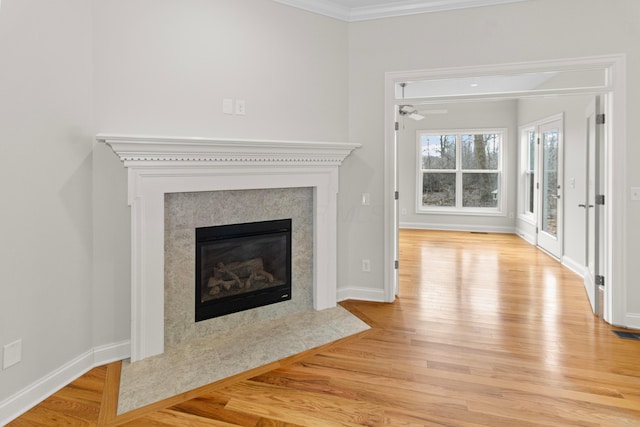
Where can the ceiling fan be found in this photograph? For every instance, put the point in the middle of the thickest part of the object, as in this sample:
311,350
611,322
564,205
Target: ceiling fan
410,111
415,114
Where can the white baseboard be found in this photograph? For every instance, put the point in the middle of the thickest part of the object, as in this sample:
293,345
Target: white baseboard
633,320
35,393
530,238
30,396
363,294
458,227
111,353
573,265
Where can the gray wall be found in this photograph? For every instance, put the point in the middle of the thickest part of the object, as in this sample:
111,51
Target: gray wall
46,147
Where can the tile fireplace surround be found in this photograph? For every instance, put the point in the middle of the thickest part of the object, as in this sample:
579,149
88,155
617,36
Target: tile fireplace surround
160,165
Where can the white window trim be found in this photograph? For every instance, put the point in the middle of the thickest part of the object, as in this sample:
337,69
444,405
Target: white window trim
502,171
523,213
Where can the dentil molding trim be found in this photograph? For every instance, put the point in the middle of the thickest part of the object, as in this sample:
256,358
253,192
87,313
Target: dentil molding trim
164,151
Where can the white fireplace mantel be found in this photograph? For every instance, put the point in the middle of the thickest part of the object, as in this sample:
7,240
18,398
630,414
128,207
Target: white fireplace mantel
160,165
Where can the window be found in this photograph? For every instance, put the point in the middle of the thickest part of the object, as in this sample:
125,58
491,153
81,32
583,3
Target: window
529,168
460,171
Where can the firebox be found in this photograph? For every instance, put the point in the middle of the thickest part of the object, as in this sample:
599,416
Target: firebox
242,266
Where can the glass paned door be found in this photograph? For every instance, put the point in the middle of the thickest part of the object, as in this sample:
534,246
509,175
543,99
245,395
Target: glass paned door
550,177
550,202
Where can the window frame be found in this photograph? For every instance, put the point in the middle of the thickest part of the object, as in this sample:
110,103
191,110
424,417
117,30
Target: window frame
529,198
459,209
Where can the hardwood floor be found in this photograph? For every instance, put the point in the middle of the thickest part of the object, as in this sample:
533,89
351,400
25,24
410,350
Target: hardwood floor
487,331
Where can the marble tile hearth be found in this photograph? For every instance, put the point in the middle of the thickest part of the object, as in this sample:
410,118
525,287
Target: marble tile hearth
205,360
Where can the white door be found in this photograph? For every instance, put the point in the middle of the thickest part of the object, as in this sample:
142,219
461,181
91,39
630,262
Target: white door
592,208
396,212
550,202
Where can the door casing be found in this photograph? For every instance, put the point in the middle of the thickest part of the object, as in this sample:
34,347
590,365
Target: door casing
614,162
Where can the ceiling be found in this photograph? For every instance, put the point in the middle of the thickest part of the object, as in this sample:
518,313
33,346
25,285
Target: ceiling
507,84
362,10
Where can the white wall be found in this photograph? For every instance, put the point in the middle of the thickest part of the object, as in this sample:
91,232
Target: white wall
163,67
528,31
464,115
46,142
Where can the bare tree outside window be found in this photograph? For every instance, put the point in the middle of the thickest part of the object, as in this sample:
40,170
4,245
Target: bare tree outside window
439,157
461,170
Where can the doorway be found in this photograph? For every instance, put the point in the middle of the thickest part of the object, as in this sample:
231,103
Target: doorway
541,161
613,88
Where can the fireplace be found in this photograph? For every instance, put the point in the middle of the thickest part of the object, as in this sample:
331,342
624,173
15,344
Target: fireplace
242,266
172,165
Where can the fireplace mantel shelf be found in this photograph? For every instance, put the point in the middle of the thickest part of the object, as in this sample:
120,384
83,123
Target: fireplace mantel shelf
160,165
135,150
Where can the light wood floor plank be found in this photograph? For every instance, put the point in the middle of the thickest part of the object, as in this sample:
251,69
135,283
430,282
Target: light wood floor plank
486,331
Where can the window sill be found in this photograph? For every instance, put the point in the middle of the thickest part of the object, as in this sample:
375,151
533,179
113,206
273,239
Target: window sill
470,212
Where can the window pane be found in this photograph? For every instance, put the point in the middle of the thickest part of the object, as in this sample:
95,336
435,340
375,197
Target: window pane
530,172
532,150
480,190
438,189
550,182
531,178
481,151
438,151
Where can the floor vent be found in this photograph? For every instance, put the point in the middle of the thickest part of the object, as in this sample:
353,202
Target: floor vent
628,335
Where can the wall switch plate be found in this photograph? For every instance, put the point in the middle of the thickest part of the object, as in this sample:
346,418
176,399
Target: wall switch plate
366,265
635,193
12,354
240,107
366,199
227,106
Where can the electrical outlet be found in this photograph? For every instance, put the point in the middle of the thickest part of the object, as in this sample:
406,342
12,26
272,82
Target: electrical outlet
366,265
12,354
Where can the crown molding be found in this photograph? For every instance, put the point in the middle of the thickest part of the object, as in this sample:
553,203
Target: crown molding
322,7
388,9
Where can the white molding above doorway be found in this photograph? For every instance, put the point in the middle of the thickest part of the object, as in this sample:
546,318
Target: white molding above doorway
363,10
